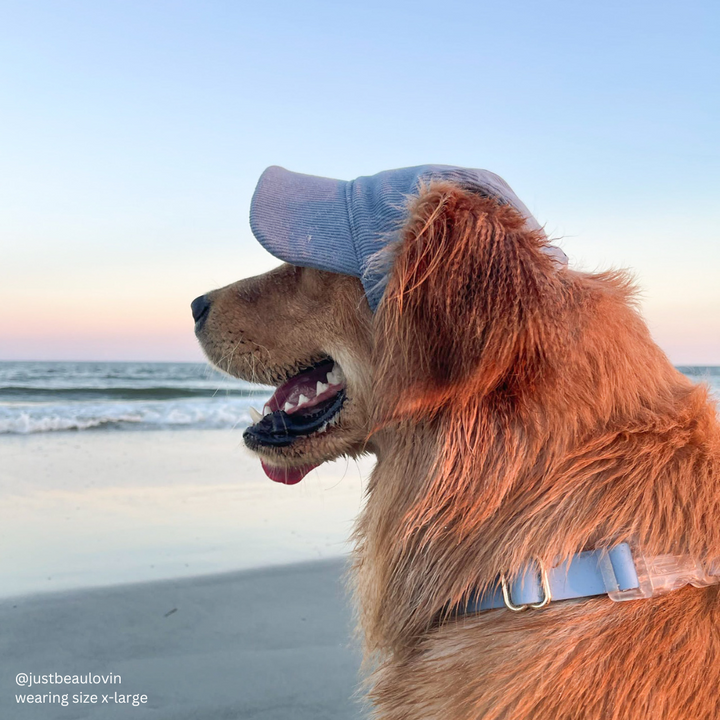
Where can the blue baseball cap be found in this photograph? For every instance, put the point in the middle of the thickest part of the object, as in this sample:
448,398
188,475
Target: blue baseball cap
341,225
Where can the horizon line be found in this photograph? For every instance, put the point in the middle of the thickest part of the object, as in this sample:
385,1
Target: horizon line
209,364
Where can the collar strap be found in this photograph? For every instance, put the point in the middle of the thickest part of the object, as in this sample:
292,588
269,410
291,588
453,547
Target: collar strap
620,573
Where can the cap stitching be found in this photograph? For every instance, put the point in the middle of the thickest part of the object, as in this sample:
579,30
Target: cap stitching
351,224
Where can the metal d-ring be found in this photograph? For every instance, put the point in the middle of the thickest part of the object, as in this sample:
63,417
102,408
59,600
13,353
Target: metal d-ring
545,581
506,597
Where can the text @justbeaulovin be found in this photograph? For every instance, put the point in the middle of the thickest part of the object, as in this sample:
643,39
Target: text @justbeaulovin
95,690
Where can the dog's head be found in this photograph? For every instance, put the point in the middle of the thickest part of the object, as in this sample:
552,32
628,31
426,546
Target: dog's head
308,333
460,318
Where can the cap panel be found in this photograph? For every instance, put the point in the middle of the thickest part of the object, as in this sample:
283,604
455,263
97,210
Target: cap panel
378,210
303,220
377,205
494,186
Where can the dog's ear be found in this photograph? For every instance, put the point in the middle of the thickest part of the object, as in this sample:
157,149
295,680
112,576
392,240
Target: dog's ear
471,305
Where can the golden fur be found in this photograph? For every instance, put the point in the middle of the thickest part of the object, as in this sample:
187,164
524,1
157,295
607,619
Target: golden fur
516,410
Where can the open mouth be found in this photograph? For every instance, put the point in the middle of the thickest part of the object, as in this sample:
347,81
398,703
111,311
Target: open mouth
306,404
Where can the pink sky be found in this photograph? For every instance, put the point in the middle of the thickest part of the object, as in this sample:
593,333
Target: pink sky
143,317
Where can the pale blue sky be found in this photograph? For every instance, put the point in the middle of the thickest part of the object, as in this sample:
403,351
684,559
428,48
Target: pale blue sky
132,134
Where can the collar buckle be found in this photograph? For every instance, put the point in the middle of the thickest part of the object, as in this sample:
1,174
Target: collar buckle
661,574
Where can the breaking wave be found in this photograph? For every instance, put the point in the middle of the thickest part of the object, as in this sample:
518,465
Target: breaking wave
50,397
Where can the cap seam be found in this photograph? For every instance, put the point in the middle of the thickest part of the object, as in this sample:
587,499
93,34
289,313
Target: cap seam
348,194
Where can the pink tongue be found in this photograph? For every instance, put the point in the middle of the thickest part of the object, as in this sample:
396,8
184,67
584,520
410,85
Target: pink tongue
286,476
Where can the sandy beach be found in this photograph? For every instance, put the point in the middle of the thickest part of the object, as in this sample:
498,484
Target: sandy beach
271,644
169,559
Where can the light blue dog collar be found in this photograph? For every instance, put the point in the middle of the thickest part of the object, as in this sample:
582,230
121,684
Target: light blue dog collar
620,573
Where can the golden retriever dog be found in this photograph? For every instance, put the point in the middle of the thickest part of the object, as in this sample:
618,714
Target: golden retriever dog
519,413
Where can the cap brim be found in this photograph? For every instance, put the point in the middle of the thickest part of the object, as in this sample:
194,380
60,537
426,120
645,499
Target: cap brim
303,220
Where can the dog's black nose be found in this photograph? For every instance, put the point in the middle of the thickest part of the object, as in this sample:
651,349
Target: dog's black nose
200,307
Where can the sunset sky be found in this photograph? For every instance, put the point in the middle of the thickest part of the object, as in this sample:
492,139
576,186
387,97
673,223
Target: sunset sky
133,133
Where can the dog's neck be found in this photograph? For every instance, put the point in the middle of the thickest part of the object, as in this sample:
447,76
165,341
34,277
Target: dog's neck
440,525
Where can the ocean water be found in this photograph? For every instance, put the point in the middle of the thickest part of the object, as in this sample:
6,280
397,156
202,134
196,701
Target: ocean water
709,374
38,397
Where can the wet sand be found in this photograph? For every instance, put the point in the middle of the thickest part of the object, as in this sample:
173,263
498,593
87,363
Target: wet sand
270,644
102,508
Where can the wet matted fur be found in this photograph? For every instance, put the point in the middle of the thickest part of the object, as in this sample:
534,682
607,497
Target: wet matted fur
516,410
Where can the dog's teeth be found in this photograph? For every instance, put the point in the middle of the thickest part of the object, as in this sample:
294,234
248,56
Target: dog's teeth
302,400
321,388
288,407
266,410
336,376
255,415
323,428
